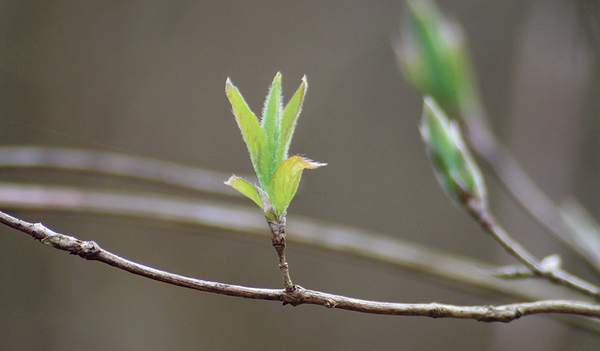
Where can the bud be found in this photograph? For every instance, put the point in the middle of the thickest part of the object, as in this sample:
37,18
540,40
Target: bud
454,167
434,58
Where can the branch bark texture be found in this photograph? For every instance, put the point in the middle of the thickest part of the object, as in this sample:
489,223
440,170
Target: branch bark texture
298,296
481,214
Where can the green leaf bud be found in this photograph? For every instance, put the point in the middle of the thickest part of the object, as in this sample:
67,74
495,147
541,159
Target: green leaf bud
434,57
268,143
454,167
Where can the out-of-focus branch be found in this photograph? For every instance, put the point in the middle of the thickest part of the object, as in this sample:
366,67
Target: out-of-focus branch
433,56
527,194
298,296
114,164
555,275
461,179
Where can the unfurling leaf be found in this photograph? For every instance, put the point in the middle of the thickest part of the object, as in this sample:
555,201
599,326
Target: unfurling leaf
286,179
252,132
289,118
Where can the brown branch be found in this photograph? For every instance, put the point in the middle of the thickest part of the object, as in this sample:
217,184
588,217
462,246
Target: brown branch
481,214
458,272
527,194
483,142
297,296
278,240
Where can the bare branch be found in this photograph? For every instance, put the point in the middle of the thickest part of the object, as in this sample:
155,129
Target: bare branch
526,193
459,272
298,295
481,214
114,164
531,197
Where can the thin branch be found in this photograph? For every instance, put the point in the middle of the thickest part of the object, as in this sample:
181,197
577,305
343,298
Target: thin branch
514,178
459,272
298,296
526,193
481,213
278,240
113,164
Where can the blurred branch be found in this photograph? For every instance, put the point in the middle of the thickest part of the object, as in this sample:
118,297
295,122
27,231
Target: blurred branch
298,296
459,272
114,164
527,194
433,55
555,275
462,181
171,174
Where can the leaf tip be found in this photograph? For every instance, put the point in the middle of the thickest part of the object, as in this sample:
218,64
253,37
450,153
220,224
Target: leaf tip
229,182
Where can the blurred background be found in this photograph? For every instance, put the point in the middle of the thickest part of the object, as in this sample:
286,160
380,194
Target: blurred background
148,79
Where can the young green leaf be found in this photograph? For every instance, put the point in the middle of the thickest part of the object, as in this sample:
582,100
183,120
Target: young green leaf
289,118
252,132
247,189
286,179
271,123
434,57
268,143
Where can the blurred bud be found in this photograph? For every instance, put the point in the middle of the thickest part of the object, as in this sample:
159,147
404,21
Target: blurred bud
552,262
434,58
454,166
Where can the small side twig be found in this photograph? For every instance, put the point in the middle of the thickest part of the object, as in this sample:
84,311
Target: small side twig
278,240
527,194
481,214
505,313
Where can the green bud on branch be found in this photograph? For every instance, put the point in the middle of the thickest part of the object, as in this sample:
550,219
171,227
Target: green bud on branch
434,58
454,167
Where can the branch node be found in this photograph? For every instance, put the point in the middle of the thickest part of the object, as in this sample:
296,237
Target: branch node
89,249
294,296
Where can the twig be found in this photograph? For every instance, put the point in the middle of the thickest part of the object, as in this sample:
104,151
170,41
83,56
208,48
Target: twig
526,193
298,296
459,272
278,240
480,212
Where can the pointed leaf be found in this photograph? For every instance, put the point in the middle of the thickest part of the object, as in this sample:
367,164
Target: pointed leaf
285,181
288,120
271,118
247,189
254,135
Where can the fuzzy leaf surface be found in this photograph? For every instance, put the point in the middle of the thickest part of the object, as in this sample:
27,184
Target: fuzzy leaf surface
289,119
246,188
252,132
286,179
271,123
